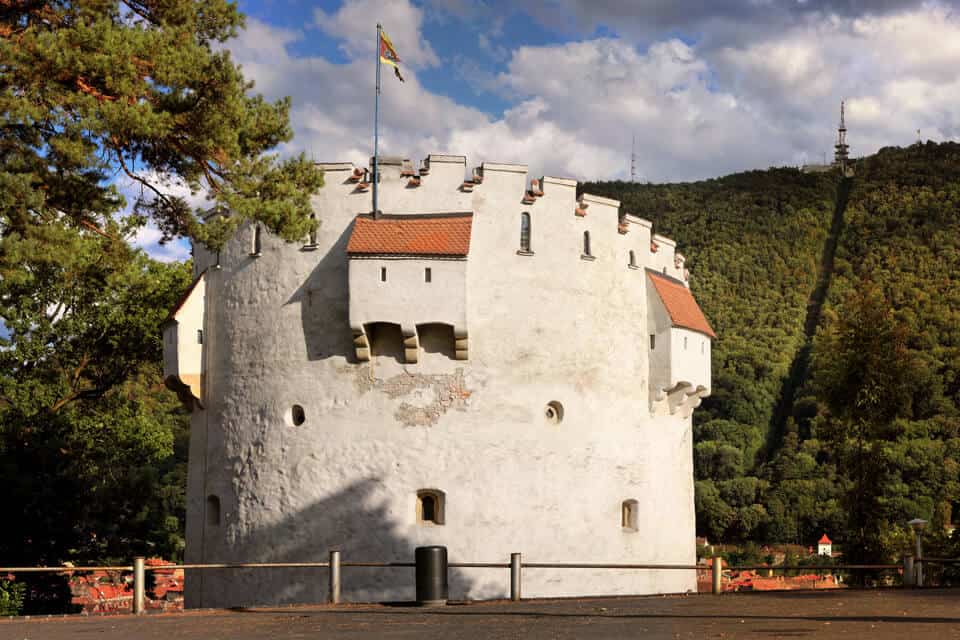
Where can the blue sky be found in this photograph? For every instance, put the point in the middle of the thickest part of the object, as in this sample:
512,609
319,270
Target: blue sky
566,85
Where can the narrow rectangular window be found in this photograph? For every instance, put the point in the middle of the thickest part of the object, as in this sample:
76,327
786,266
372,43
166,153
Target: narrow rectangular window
312,236
383,274
199,336
427,275
525,232
684,343
256,246
213,511
630,515
653,341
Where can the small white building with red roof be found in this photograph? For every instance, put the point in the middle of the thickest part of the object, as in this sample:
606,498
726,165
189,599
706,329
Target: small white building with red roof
824,546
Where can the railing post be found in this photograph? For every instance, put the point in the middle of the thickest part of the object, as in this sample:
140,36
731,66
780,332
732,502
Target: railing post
717,575
139,579
918,568
334,577
515,577
908,575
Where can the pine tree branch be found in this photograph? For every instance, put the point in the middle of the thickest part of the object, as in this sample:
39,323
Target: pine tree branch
138,9
142,181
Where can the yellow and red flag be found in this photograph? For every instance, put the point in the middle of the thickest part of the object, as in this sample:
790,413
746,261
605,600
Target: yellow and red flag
389,55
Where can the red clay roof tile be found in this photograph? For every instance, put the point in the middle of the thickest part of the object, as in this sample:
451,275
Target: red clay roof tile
824,540
683,309
421,235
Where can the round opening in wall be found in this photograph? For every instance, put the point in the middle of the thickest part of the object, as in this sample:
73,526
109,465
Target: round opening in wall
296,416
554,412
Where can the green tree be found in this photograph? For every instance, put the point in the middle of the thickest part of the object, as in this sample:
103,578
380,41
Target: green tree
88,87
92,448
864,375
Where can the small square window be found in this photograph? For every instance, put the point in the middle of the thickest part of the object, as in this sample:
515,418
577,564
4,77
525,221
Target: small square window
383,274
427,275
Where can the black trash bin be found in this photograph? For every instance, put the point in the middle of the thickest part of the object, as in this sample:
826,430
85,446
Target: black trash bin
431,576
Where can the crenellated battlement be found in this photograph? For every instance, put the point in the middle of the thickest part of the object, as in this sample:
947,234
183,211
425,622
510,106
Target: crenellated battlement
441,183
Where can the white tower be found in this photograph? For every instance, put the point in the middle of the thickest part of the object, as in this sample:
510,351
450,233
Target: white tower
490,365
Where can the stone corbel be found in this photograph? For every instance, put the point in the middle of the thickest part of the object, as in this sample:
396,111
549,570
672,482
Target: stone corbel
694,400
411,344
187,389
460,340
361,344
682,398
677,396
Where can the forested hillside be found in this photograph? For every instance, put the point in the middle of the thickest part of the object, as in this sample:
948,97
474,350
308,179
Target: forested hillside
871,265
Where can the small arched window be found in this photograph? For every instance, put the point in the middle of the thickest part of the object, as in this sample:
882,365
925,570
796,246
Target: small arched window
213,511
525,232
633,259
586,243
430,506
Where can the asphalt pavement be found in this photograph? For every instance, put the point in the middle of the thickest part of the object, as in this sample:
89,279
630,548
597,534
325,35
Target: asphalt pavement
877,615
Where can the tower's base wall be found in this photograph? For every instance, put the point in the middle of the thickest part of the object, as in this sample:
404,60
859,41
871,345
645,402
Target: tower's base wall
553,493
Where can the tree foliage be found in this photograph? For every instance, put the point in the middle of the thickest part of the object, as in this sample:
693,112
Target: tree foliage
92,447
92,87
872,437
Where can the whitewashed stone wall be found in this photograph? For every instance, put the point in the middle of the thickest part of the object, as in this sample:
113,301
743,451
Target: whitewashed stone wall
183,344
405,297
554,326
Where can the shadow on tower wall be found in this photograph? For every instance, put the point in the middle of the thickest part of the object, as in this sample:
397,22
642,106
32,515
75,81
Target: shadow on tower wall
354,521
324,299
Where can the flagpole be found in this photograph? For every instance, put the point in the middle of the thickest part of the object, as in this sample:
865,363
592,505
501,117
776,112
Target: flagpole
376,132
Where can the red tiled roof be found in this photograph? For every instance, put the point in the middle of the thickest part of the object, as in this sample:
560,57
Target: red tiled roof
420,235
683,309
824,540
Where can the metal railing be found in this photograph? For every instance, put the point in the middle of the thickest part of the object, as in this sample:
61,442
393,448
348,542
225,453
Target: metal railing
911,568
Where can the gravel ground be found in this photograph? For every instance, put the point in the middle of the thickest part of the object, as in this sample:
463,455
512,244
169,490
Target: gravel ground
893,613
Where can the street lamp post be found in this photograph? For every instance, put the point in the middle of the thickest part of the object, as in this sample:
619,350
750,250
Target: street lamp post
918,524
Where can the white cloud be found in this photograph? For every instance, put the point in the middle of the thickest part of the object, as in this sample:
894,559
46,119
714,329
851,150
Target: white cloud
148,238
697,109
896,71
352,24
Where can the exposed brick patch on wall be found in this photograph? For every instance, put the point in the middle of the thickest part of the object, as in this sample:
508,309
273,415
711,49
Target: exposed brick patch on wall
438,393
